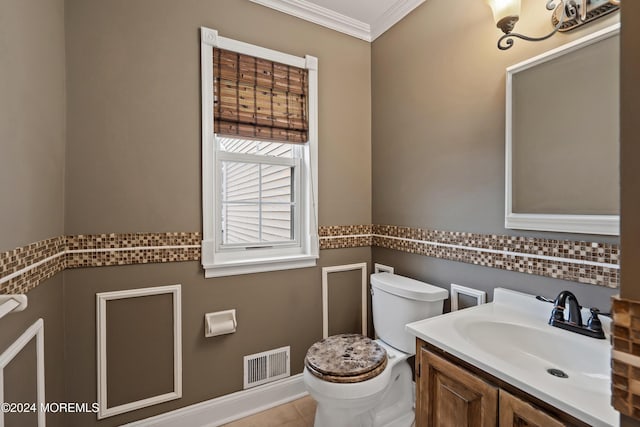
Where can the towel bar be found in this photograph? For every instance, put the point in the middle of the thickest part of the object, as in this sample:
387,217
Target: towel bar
11,303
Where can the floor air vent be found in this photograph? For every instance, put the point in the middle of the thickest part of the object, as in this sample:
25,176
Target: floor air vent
262,368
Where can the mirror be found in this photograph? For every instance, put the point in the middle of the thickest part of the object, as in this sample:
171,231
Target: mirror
562,138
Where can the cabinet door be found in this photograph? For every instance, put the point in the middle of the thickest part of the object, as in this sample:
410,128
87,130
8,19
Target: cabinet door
516,412
449,396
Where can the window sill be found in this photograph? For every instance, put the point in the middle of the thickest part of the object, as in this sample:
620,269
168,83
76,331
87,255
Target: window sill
259,265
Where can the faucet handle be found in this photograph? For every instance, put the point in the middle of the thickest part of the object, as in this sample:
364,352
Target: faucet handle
594,322
557,314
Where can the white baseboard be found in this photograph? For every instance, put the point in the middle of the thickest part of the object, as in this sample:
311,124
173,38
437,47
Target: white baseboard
230,407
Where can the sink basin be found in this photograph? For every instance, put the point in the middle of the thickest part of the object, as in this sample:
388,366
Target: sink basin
541,349
538,346
511,339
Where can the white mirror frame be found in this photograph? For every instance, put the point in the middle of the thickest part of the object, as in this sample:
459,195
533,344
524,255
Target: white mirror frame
587,224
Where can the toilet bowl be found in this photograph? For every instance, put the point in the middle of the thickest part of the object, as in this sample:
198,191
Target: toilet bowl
359,382
352,404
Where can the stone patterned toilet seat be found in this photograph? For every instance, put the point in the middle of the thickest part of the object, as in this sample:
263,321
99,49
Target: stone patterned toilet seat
346,358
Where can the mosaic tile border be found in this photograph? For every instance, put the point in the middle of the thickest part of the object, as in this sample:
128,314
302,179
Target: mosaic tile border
28,280
22,257
24,268
625,357
342,242
131,240
137,256
100,250
583,262
582,273
345,236
574,250
344,230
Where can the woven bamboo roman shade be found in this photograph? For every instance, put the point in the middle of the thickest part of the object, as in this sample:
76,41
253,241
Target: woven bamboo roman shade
259,99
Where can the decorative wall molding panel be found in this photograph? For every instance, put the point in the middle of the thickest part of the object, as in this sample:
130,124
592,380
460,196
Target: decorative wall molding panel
325,294
102,300
22,269
34,331
457,290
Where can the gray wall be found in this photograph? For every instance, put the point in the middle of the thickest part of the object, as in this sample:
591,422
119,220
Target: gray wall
133,69
32,138
133,165
630,151
438,91
273,310
32,121
629,154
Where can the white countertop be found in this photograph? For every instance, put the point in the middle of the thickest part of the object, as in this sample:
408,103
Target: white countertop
511,340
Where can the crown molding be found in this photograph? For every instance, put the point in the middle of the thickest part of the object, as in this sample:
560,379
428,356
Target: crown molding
336,21
392,16
319,15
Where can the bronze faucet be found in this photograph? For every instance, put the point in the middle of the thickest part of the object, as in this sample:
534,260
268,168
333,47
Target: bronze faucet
573,323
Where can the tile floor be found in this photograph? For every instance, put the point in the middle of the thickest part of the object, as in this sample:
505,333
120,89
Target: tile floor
298,413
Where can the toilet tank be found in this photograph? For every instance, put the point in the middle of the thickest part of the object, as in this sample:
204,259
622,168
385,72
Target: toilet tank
398,300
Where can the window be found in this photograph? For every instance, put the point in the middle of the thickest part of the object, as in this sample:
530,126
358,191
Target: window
259,145
258,198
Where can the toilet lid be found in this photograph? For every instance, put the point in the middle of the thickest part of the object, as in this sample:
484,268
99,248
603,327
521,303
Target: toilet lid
346,358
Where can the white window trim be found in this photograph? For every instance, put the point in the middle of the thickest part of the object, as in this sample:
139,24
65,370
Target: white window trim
218,263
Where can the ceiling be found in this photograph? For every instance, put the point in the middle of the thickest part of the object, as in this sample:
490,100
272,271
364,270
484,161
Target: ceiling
364,19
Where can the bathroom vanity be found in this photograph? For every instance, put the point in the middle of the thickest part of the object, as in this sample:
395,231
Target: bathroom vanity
501,364
452,392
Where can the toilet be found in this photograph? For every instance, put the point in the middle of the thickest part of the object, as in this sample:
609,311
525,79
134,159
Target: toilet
357,381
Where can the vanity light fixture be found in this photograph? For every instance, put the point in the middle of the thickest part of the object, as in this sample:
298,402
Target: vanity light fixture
567,15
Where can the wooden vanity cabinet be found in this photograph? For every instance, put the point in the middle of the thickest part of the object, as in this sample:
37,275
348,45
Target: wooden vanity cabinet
449,393
516,412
